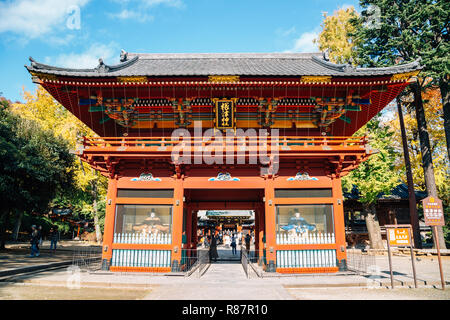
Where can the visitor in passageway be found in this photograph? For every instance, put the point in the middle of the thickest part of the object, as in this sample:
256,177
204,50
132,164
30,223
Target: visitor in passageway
53,238
34,241
248,239
233,244
227,241
213,255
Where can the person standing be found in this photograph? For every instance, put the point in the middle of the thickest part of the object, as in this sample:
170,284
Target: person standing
227,241
39,229
213,255
53,238
233,244
34,242
248,239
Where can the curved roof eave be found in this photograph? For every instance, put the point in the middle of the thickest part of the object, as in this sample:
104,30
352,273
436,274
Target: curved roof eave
242,64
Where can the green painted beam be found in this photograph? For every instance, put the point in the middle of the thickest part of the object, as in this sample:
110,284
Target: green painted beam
103,120
345,119
352,108
97,108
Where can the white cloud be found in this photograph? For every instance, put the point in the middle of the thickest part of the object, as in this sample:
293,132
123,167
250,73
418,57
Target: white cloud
110,54
138,13
171,3
305,43
35,18
285,32
130,14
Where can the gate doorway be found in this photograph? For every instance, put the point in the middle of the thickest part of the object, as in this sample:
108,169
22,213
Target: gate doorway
215,218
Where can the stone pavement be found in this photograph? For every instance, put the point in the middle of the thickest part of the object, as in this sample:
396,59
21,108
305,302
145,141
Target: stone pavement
226,280
16,258
222,281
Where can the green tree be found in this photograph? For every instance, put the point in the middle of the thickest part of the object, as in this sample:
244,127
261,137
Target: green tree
408,30
44,109
374,177
335,36
36,166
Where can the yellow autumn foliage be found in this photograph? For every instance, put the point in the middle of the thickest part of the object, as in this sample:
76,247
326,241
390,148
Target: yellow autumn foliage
45,110
335,38
435,125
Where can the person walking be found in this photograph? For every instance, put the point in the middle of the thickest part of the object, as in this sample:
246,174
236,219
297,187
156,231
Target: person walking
39,229
213,255
227,241
53,238
248,239
233,245
34,242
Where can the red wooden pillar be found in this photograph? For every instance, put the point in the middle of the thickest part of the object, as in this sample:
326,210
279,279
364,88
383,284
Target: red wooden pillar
108,232
177,226
188,228
269,205
257,228
339,223
262,219
194,230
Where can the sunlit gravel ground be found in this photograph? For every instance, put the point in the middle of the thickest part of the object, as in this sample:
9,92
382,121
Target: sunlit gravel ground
370,294
29,292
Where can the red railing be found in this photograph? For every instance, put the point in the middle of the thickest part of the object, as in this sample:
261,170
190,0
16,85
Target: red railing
169,142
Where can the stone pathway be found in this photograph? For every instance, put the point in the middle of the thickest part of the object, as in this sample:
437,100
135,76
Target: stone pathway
222,281
226,280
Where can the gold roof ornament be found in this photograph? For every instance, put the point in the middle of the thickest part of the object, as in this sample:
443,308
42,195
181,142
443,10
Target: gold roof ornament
43,76
315,79
132,79
406,76
226,79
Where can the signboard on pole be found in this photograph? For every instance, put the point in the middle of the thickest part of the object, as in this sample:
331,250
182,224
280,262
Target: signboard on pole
433,211
399,237
434,216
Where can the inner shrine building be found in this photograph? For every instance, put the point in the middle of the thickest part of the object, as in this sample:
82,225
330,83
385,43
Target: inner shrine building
268,132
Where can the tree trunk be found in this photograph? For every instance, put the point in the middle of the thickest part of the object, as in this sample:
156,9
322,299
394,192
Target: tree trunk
413,216
98,232
3,226
373,227
17,224
445,94
427,161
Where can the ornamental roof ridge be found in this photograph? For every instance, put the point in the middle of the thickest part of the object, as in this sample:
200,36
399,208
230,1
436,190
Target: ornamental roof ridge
226,55
415,65
101,68
242,64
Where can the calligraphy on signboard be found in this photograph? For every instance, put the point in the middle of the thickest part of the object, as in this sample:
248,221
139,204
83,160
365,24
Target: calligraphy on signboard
224,114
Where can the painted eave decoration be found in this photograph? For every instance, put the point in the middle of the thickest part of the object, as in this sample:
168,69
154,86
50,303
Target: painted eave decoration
302,177
146,177
223,176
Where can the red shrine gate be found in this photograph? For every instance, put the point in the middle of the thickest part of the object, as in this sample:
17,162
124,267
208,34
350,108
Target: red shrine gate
163,167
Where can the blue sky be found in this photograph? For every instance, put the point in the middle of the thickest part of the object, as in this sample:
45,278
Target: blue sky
75,33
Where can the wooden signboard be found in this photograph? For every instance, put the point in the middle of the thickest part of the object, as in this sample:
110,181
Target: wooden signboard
433,211
434,217
225,113
399,237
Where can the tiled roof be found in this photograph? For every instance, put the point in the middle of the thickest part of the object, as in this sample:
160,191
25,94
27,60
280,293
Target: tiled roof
205,64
